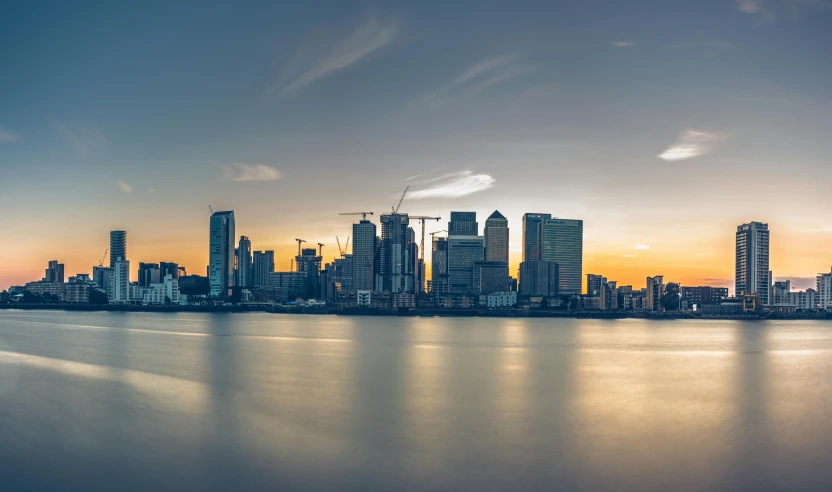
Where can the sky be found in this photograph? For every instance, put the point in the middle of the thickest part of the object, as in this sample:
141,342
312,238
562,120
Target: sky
663,125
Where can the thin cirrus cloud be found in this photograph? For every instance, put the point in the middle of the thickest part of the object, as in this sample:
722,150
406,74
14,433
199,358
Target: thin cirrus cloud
126,188
622,44
691,143
8,136
641,246
454,185
478,77
83,138
361,42
240,171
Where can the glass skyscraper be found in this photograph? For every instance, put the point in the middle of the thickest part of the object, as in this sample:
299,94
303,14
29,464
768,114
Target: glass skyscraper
752,274
363,255
221,254
118,247
563,243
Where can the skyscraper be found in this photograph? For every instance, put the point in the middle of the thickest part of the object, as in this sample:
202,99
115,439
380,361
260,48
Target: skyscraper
149,273
463,224
54,272
538,278
496,238
309,268
118,246
119,292
562,242
532,235
263,265
439,266
363,254
753,275
396,266
244,270
463,252
221,253
655,292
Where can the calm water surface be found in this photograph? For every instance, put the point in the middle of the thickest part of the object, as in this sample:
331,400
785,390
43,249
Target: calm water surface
262,401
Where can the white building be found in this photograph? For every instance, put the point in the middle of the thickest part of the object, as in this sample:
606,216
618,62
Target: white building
119,292
752,261
164,292
501,299
825,290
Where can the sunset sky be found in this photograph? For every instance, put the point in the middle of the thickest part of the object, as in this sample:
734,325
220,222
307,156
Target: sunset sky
663,125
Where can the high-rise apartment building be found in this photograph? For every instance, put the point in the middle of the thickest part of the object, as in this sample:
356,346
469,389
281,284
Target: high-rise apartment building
655,292
363,254
439,266
824,282
753,275
496,238
221,254
244,264
119,292
118,246
463,252
396,268
463,224
533,235
563,242
263,265
594,283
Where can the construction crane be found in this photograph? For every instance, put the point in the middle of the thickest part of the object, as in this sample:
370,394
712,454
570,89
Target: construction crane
299,241
342,252
211,209
362,214
437,232
101,263
423,219
396,208
321,249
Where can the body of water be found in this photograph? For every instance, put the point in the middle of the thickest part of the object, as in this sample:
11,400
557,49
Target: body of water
137,401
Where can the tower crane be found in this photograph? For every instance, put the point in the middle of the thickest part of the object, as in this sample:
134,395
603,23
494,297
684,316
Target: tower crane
423,219
321,249
299,241
396,208
101,263
362,214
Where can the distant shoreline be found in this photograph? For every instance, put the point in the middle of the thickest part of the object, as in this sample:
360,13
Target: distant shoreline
444,313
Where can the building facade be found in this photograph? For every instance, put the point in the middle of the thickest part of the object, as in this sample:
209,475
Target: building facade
439,266
539,278
364,244
463,224
490,277
654,292
118,246
533,235
263,265
753,275
562,243
824,283
221,254
463,253
704,295
119,292
244,263
395,270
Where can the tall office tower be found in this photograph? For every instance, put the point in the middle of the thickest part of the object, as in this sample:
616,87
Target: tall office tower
119,292
168,268
395,272
538,278
118,246
563,243
594,283
244,263
533,235
655,291
490,277
309,266
149,273
824,284
221,254
263,265
753,276
439,266
54,272
463,224
363,255
496,238
463,252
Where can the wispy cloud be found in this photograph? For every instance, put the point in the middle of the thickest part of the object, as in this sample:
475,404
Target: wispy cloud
758,8
239,171
641,246
84,139
454,185
766,11
126,188
8,136
412,177
478,77
151,190
362,41
691,143
622,44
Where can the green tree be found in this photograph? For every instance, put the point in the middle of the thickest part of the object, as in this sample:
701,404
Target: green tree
98,297
670,299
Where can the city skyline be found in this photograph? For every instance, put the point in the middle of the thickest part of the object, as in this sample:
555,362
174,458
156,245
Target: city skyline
661,140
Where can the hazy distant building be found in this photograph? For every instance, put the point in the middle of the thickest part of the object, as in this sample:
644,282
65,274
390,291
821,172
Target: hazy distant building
562,242
118,246
221,254
244,263
463,252
363,255
533,235
396,265
439,266
753,275
262,266
54,272
463,224
538,278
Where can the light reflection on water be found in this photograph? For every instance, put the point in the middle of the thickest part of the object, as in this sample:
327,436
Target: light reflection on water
223,402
